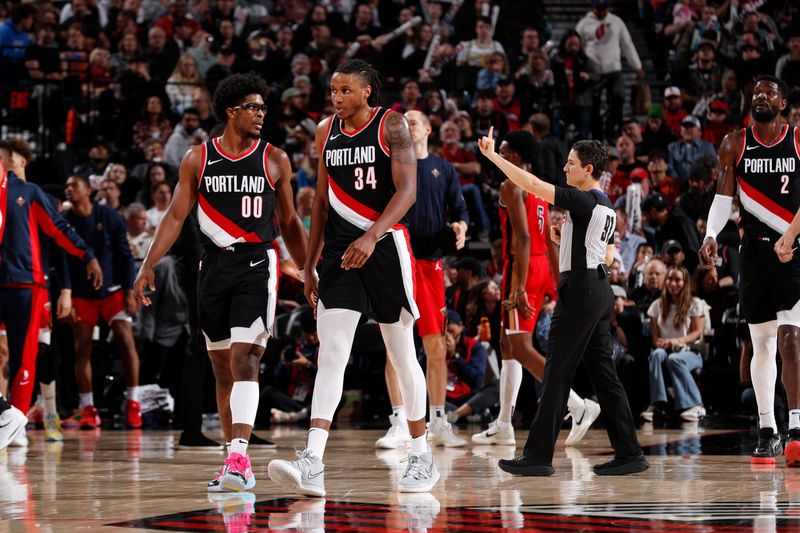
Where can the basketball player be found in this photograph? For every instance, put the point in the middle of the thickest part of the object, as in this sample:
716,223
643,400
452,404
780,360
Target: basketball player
365,185
581,327
239,183
530,261
438,198
764,160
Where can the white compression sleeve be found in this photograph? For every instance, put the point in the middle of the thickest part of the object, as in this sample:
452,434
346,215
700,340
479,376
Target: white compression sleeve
399,340
244,402
764,369
718,215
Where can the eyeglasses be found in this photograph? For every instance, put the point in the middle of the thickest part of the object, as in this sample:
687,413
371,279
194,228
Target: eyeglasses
253,108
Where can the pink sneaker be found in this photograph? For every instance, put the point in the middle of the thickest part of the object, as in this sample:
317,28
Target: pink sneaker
237,474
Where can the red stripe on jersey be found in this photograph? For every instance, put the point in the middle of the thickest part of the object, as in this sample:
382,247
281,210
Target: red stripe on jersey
222,152
225,223
36,248
758,139
266,166
765,202
796,149
742,147
46,224
327,134
361,127
204,156
384,146
352,203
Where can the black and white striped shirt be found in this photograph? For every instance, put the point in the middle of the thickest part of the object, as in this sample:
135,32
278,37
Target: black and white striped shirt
588,229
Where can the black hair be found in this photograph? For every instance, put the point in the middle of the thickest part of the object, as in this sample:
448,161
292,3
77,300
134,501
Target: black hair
485,20
233,89
22,11
190,111
783,87
368,75
523,144
84,179
593,153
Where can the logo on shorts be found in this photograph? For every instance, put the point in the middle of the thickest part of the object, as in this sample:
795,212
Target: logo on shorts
99,226
25,378
20,201
435,172
252,264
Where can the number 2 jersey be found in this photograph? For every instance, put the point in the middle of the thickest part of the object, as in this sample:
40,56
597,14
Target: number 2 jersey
359,179
235,196
767,175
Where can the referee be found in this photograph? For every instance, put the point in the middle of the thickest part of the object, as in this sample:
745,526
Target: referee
581,323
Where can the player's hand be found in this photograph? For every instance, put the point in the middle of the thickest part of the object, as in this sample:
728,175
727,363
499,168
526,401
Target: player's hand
486,143
64,304
785,248
521,299
708,253
131,305
358,252
311,288
555,234
460,229
95,273
146,276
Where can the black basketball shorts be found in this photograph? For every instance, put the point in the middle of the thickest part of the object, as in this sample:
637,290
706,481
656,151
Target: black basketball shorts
767,285
237,293
381,289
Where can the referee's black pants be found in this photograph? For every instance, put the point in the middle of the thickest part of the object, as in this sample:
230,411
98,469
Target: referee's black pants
581,328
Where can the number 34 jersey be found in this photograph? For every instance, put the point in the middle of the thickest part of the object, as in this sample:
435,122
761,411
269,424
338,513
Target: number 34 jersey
769,182
235,196
359,179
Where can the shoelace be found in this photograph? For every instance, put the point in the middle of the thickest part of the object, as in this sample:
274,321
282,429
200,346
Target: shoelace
304,458
414,468
236,464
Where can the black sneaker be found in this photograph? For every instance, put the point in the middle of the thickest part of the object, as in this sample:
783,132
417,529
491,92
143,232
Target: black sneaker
768,448
622,466
191,440
792,449
525,466
258,442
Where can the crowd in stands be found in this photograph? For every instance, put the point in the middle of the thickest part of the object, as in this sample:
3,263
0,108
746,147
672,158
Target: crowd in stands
125,87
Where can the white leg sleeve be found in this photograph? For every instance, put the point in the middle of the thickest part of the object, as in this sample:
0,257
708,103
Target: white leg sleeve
336,329
764,369
510,382
399,340
244,402
788,318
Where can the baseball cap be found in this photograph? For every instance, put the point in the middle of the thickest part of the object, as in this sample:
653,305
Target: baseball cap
600,4
655,200
639,173
453,317
619,292
506,81
291,92
671,91
613,153
656,111
671,245
469,263
691,120
719,106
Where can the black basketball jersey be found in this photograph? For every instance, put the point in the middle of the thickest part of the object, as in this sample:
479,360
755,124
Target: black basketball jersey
359,178
236,196
767,175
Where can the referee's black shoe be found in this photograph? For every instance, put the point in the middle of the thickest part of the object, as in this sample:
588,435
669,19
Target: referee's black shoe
768,448
195,440
622,466
258,442
525,466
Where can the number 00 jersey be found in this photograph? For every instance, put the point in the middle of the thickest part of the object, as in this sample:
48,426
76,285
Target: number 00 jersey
359,179
236,196
769,183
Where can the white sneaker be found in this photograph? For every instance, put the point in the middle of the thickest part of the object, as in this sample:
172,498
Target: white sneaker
307,516
495,435
12,422
396,437
647,414
441,434
581,422
693,414
21,440
420,510
421,473
306,475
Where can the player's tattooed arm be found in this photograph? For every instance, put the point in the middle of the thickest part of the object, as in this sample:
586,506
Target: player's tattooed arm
728,158
397,133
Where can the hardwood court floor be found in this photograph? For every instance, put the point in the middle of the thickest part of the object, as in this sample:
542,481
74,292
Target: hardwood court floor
699,481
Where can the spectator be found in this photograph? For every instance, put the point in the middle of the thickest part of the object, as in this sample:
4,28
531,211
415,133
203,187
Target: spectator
495,70
672,254
673,110
552,151
466,366
706,286
677,323
696,201
509,104
572,87
731,95
42,59
305,202
176,11
717,126
156,173
138,237
671,223
702,80
411,98
627,241
606,41
794,115
487,116
127,49
186,134
468,274
529,42
99,158
161,57
657,133
626,151
226,58
15,33
109,196
788,66
476,53
683,152
655,275
153,125
183,82
660,181
632,128
538,83
226,37
162,196
201,100
484,303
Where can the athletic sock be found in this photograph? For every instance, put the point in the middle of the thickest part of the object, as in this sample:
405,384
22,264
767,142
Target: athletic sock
767,420
794,419
398,416
238,446
49,397
419,445
317,440
437,414
575,402
133,393
86,398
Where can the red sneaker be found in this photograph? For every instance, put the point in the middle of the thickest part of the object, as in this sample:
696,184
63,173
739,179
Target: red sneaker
133,414
89,418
